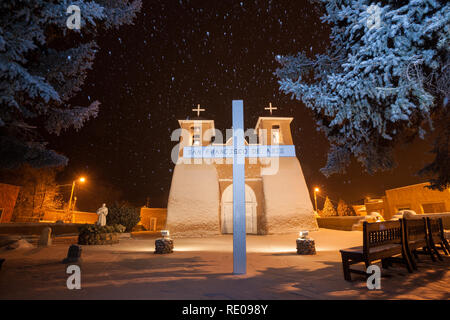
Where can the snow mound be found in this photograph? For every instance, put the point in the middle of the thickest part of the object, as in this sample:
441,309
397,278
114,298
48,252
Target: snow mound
19,245
8,239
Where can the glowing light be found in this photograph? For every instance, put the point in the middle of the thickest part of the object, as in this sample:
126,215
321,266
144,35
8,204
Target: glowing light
82,179
165,233
316,189
303,234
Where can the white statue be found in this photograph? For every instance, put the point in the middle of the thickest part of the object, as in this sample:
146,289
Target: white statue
102,213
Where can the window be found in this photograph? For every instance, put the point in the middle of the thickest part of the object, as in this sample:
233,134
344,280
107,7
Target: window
276,136
436,207
196,135
152,224
196,140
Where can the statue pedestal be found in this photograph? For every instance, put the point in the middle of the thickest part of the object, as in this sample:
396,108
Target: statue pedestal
306,246
163,245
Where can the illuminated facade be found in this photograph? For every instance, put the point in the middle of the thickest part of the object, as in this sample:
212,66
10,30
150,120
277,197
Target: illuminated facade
201,195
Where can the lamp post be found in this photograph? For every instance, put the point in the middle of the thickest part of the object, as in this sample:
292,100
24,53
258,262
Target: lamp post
82,180
316,190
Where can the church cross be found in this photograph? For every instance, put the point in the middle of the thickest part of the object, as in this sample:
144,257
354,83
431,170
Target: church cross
198,110
270,108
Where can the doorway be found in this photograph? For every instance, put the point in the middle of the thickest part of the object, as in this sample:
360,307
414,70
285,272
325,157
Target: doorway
250,210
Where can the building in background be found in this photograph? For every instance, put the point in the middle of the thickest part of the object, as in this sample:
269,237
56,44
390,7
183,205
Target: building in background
8,197
418,198
360,209
375,205
415,197
153,219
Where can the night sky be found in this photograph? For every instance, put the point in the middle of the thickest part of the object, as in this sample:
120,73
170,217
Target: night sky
182,53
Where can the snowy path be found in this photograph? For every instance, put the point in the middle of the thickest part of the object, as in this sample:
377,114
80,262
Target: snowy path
201,269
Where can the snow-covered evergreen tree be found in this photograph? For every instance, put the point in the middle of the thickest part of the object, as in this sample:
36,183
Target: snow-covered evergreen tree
42,65
328,209
383,80
441,149
344,210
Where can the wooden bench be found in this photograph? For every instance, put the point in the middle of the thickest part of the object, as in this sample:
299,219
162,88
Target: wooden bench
443,237
381,241
416,237
436,236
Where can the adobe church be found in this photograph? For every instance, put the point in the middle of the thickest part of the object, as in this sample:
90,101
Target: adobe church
201,195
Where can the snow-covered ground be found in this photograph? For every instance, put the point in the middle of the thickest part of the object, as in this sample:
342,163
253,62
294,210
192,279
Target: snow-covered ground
201,268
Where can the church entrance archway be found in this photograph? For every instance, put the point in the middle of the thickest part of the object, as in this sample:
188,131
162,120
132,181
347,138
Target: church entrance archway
227,210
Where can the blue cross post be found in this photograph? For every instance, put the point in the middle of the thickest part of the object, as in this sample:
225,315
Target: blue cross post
239,241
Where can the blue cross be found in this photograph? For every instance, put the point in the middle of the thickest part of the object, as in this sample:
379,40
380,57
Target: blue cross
239,236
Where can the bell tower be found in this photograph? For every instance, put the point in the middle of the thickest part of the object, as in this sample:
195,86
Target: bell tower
274,131
193,204
284,212
195,132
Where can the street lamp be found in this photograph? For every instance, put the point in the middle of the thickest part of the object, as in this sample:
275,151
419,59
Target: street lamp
316,190
82,180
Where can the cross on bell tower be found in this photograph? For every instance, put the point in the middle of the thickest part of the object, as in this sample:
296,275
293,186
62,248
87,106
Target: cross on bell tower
270,108
198,110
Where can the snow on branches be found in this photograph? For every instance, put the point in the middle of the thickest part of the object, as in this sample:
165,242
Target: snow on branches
42,65
375,83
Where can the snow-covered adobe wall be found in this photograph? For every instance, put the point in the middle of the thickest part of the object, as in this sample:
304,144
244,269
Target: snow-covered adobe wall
287,201
193,207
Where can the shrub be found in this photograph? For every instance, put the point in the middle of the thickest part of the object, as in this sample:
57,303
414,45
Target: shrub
95,234
124,214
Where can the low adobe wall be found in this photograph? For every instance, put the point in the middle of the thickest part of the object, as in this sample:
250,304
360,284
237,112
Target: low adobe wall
346,223
338,223
36,228
51,216
78,216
